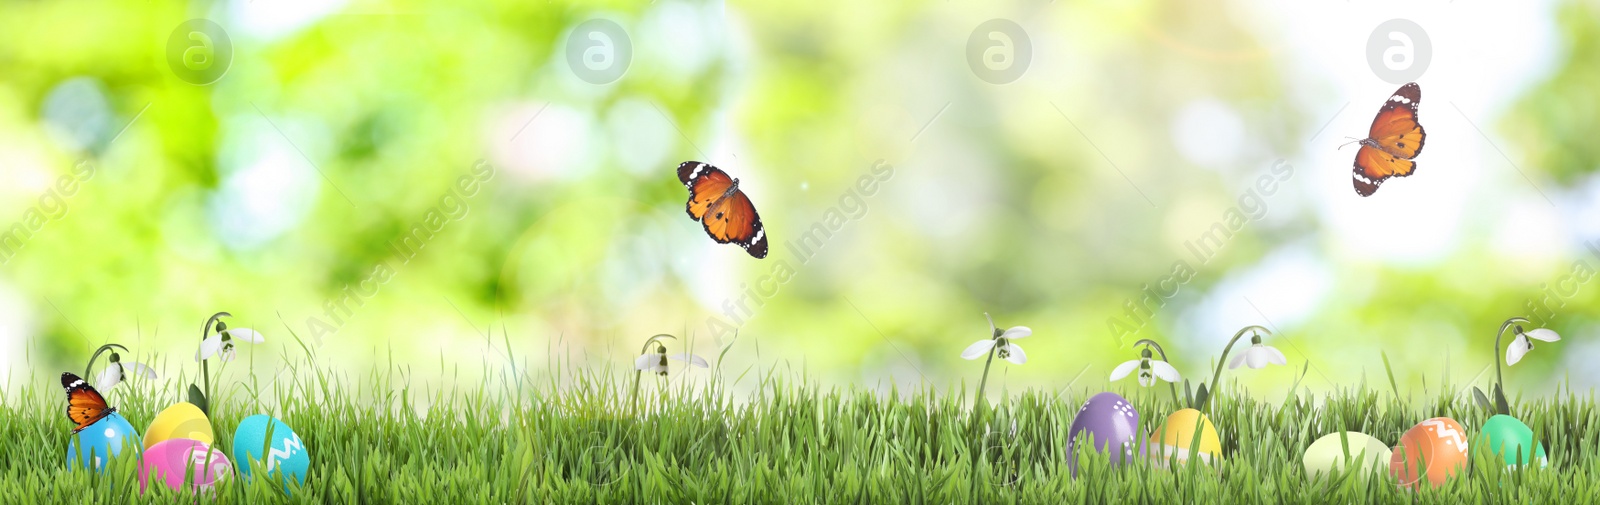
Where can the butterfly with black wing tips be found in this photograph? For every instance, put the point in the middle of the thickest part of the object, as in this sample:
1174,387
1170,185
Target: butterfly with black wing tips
1392,142
85,406
716,202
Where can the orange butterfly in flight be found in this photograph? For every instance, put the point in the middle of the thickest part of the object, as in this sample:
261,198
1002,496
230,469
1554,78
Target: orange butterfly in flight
716,202
1393,141
84,404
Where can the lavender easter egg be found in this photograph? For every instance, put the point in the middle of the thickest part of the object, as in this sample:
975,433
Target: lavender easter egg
1110,424
169,461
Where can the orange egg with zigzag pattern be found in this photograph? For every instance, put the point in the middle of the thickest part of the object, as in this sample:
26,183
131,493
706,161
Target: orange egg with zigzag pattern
1430,452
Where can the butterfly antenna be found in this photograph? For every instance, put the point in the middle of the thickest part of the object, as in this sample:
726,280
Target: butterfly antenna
1352,141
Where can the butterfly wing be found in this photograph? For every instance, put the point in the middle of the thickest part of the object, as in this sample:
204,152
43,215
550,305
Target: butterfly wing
1396,129
734,219
1396,137
727,218
706,185
84,404
1373,166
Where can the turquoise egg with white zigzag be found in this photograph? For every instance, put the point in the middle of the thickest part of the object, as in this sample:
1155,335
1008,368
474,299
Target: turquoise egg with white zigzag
263,443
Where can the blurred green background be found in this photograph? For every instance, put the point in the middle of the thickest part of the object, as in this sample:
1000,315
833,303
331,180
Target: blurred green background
1050,200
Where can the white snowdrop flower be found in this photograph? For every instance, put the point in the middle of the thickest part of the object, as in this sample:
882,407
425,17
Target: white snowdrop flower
1258,356
1521,345
1002,340
118,370
1149,368
221,344
655,361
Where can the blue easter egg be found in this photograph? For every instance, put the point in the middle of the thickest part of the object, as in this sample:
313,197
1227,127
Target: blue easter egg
280,450
101,441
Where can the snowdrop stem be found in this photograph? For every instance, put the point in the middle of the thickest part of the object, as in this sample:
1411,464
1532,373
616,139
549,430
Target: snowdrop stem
206,331
1216,375
978,406
634,403
205,377
1499,379
653,340
1163,354
977,398
205,364
96,356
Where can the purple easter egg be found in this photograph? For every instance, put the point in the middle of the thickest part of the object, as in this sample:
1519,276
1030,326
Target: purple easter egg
168,461
1112,423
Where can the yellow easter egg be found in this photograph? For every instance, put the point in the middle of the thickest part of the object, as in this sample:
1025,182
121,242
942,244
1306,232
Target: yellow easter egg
1352,448
1176,436
181,420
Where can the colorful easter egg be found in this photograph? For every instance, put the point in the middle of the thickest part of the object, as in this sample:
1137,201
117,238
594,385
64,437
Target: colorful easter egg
1330,452
1511,440
1177,437
1113,425
264,439
170,461
182,420
1430,453
101,441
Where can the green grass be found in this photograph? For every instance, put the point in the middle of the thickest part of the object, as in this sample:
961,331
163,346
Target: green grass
573,436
